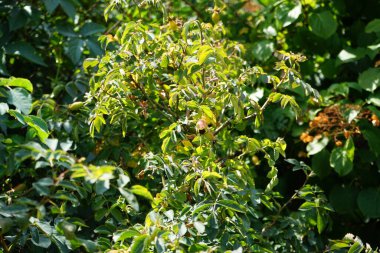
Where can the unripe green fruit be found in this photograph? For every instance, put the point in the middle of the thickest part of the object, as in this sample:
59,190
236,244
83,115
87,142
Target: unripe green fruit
75,106
215,17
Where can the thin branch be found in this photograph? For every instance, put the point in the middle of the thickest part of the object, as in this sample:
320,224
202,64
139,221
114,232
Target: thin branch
263,107
112,27
198,12
4,244
153,101
293,197
222,126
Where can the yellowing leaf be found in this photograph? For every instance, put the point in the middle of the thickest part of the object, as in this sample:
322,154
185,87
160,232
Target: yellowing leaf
210,174
207,111
165,144
141,191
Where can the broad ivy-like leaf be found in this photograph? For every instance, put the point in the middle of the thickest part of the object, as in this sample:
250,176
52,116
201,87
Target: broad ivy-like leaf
51,5
371,134
17,19
320,163
369,202
343,199
91,28
352,54
293,14
342,158
317,146
74,49
263,50
373,26
370,79
66,30
323,24
25,50
68,7
21,99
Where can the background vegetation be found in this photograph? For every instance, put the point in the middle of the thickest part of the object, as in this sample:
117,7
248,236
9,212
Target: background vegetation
196,126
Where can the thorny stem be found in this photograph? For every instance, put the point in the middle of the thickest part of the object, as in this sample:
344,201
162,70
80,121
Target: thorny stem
293,197
263,107
152,101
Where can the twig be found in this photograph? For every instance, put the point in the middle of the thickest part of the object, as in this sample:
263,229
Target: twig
263,107
293,197
4,244
152,101
192,6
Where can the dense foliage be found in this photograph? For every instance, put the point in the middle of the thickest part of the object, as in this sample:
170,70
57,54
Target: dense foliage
192,126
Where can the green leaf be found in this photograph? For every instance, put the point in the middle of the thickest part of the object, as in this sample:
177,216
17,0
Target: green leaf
211,174
39,125
372,134
4,108
91,28
357,247
342,158
317,146
38,239
320,163
17,19
373,26
369,202
130,198
293,14
17,82
122,235
206,110
141,191
42,186
20,118
25,50
94,47
74,49
90,62
21,99
343,199
263,50
204,53
352,54
321,223
165,144
139,244
51,5
68,7
66,30
200,227
323,24
232,205
60,242
370,79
